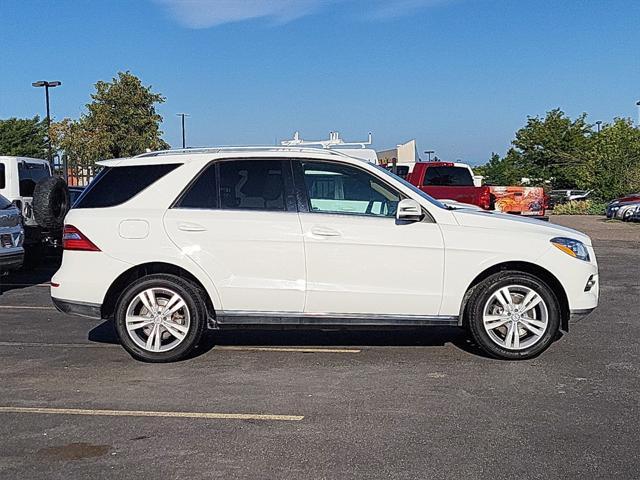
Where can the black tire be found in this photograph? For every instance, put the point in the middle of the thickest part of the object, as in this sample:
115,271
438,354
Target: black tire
51,202
480,297
194,302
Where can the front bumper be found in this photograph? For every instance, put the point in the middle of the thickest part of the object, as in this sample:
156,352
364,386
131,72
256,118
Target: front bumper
11,261
577,315
82,309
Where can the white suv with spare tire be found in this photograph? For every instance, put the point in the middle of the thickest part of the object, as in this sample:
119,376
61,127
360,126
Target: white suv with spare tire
172,243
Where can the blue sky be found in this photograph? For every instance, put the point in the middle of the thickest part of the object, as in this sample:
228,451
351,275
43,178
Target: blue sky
460,76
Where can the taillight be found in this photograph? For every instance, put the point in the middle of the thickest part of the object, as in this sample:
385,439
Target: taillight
74,239
486,200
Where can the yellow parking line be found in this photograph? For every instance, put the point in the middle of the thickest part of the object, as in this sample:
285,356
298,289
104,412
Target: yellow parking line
24,307
143,413
288,349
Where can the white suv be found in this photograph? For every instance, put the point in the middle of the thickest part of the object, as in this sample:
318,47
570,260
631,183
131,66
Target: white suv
171,243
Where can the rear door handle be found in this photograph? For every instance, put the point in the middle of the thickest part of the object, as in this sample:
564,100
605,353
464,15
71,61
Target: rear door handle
191,227
325,232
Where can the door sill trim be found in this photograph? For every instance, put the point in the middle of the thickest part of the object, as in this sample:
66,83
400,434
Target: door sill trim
243,317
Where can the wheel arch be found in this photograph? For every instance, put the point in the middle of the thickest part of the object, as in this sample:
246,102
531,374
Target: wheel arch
519,266
149,268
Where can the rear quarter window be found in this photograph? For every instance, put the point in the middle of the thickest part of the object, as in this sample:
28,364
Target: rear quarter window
116,185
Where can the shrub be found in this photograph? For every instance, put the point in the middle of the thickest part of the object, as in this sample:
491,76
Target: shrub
581,207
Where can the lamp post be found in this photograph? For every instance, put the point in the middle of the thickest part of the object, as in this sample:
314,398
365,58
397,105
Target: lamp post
182,115
598,123
47,85
429,152
638,105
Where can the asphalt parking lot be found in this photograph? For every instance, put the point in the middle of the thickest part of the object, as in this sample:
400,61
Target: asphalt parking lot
282,404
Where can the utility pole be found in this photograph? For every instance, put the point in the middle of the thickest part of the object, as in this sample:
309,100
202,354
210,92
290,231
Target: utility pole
47,85
182,115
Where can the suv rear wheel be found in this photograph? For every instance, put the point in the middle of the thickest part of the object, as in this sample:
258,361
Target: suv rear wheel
513,315
160,318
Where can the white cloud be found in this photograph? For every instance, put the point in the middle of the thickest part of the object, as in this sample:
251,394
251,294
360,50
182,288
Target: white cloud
210,13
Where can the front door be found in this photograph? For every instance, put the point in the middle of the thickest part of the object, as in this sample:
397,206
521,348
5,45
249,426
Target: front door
359,259
238,221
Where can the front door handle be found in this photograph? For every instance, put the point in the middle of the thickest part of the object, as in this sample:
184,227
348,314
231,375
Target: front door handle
191,227
325,232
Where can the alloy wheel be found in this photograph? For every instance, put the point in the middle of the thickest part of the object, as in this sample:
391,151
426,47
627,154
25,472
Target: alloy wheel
515,317
157,319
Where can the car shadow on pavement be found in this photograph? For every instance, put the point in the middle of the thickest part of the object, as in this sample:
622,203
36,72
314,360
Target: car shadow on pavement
396,337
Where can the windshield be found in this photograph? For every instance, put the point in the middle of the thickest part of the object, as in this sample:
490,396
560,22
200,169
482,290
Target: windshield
4,203
415,189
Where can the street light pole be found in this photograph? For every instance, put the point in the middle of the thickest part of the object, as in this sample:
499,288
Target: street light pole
47,85
598,123
429,152
638,105
182,115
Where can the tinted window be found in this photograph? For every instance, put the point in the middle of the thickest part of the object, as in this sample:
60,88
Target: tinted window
4,203
459,176
115,185
251,185
203,193
29,174
2,178
334,188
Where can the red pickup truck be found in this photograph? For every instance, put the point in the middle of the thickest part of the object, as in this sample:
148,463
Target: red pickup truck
454,181
450,181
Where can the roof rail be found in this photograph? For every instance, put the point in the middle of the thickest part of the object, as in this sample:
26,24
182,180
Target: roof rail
262,148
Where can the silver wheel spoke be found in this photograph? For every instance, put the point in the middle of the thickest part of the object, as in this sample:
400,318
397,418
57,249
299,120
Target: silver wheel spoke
504,297
134,322
175,308
176,298
148,299
151,340
534,326
175,329
531,300
512,340
495,321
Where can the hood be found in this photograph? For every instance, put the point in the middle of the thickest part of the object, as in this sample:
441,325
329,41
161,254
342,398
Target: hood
515,224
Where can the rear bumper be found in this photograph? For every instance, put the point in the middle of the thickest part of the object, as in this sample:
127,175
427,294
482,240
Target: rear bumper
11,261
82,309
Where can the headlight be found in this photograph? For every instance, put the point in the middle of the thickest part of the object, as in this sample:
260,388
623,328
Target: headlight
571,247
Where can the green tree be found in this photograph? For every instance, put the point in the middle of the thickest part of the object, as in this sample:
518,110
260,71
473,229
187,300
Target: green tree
553,148
613,161
23,137
121,121
500,171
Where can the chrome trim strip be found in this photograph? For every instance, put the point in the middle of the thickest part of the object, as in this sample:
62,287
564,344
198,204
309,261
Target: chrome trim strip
246,317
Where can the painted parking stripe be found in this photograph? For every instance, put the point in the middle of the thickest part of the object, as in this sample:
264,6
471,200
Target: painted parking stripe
288,349
220,347
143,413
24,307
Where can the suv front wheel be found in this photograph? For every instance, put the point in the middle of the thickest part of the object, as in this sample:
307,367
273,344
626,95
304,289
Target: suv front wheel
160,318
513,315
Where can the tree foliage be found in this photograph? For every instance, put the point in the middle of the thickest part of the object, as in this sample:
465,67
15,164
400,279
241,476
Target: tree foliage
120,121
23,137
559,152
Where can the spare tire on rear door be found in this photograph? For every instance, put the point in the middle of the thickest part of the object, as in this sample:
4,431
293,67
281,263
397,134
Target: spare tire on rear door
50,202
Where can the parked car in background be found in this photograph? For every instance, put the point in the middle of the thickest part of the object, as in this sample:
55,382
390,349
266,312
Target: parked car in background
43,200
11,236
74,193
171,243
558,197
617,207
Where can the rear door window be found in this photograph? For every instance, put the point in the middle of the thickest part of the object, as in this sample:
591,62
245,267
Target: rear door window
458,176
116,185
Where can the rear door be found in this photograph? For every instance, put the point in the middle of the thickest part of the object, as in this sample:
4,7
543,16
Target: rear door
238,221
359,259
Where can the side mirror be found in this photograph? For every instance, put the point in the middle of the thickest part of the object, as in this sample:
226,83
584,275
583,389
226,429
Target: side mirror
409,210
